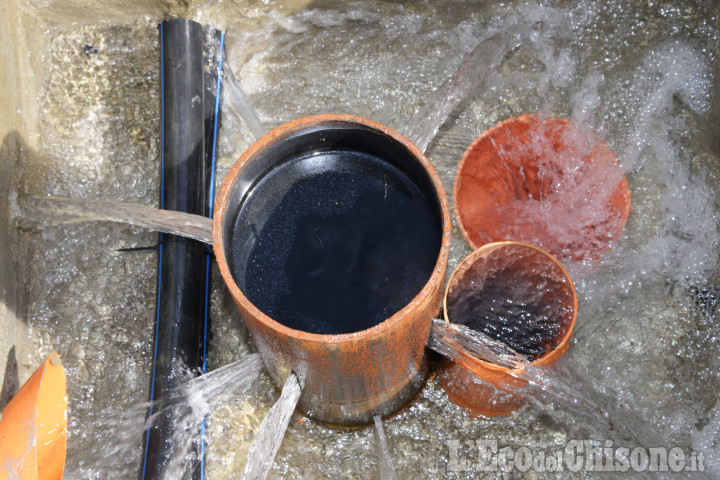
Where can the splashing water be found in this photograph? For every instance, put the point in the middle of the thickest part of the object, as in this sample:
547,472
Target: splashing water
43,212
238,109
189,404
486,56
584,405
262,454
569,396
547,182
387,472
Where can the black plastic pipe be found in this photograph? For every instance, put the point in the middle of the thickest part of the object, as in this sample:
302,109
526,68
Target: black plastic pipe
189,110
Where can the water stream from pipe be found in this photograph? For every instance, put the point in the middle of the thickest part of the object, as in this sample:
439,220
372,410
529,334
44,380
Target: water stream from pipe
387,471
36,213
238,109
469,75
568,395
190,403
272,430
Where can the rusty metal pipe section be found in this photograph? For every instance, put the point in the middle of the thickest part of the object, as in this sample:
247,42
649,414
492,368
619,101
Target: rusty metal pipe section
356,199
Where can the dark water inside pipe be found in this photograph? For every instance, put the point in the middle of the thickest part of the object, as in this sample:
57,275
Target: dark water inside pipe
508,307
346,242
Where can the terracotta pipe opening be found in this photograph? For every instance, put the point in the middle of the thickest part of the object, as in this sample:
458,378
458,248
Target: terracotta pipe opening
332,233
544,181
519,295
33,429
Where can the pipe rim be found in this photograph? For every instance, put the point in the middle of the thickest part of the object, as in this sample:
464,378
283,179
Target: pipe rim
473,364
273,136
527,118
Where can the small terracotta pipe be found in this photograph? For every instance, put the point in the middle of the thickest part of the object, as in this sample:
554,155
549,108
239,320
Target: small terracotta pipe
33,429
347,377
485,388
514,183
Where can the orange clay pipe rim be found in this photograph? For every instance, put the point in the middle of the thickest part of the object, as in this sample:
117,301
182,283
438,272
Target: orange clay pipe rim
619,203
494,395
276,135
347,377
472,363
33,428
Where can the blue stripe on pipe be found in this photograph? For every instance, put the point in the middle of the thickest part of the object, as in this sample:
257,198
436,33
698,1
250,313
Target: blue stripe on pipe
160,251
211,203
215,126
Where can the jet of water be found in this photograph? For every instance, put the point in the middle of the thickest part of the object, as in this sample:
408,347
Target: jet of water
272,430
453,341
585,405
562,391
486,56
35,213
387,472
118,433
237,105
41,212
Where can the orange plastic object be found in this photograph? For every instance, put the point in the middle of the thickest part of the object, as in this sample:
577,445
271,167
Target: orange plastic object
485,388
544,181
33,428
